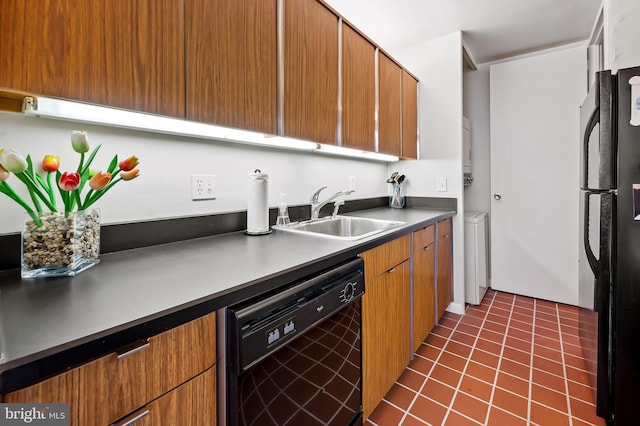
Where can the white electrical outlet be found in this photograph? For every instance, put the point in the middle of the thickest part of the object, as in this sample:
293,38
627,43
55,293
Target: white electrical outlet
203,187
352,183
441,184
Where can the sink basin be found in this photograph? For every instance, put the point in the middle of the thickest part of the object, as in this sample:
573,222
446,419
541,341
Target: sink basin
342,227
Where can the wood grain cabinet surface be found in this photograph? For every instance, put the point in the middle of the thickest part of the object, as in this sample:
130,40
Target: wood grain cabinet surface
409,116
111,387
386,320
310,108
423,284
445,265
358,90
190,404
389,121
123,54
231,63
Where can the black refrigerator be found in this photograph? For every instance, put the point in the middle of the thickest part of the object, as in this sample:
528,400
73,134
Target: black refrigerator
609,262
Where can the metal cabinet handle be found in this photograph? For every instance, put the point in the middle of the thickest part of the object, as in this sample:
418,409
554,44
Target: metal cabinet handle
497,196
134,350
131,419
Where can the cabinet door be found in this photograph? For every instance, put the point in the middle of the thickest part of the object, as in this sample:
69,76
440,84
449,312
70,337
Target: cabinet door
385,334
409,116
144,55
445,283
389,121
310,106
358,90
231,63
54,49
124,54
192,404
423,294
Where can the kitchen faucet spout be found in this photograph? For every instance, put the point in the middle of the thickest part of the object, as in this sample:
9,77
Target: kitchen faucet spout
317,205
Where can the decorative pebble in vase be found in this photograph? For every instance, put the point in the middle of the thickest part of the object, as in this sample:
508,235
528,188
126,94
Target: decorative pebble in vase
61,245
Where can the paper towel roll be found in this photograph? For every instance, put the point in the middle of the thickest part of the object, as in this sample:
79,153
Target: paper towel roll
257,205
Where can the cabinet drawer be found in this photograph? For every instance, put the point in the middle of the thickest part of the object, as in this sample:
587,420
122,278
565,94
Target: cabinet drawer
423,238
444,227
108,388
386,256
191,404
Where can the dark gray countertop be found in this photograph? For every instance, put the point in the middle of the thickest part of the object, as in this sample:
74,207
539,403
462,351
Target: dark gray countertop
43,317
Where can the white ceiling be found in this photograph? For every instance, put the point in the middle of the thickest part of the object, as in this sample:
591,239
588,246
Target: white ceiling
493,29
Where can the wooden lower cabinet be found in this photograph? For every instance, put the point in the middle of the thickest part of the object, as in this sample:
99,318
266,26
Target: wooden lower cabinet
423,292
385,333
111,387
191,404
445,266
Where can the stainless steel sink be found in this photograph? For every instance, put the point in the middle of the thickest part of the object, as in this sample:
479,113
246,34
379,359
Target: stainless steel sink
342,227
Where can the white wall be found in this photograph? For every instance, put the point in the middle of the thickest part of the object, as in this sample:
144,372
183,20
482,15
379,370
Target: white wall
438,65
622,34
167,162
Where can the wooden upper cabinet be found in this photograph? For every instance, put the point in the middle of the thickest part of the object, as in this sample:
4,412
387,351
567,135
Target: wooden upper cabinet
389,118
358,90
124,54
231,63
409,116
310,106
144,50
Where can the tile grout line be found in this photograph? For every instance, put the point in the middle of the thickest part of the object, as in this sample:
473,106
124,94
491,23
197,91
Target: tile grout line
435,363
564,370
533,350
466,365
504,342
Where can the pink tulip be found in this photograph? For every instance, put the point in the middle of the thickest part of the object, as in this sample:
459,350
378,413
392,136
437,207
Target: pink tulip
69,181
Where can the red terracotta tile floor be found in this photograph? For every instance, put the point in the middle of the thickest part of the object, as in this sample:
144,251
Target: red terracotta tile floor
512,360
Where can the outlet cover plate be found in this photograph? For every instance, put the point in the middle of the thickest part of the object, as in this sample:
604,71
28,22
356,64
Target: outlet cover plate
203,187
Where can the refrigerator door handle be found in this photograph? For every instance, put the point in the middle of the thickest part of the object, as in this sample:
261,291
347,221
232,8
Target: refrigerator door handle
591,124
593,261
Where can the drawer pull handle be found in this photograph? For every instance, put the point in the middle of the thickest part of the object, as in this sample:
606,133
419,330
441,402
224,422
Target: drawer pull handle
131,420
134,350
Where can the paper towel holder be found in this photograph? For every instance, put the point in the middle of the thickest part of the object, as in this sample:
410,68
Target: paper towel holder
256,232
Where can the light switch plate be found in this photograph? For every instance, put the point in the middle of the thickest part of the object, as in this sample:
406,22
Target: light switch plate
441,184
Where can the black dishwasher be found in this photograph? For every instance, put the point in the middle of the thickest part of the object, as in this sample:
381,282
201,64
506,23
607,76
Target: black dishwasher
294,357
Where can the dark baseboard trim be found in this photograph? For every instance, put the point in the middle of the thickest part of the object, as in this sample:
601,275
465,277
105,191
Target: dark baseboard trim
125,236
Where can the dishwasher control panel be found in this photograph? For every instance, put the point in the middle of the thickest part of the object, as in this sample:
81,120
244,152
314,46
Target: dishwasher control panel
264,326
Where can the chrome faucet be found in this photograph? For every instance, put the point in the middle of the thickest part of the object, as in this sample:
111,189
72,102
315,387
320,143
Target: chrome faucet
317,205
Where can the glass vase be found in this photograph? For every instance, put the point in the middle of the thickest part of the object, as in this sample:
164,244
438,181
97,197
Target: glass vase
60,244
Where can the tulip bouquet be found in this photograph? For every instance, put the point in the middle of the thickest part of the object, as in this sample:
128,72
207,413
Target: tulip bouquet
69,184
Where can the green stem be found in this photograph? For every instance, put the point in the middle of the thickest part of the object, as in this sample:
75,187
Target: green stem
28,180
52,197
100,193
7,190
81,162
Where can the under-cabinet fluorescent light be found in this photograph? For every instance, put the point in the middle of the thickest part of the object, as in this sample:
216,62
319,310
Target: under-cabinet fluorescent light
88,113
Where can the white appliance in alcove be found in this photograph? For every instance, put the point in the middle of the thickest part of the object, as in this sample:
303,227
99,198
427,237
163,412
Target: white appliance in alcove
476,249
466,151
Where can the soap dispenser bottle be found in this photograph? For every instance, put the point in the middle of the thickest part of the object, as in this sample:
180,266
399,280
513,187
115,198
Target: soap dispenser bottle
283,212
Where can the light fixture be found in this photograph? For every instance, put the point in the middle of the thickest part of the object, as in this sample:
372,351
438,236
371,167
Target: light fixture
88,113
